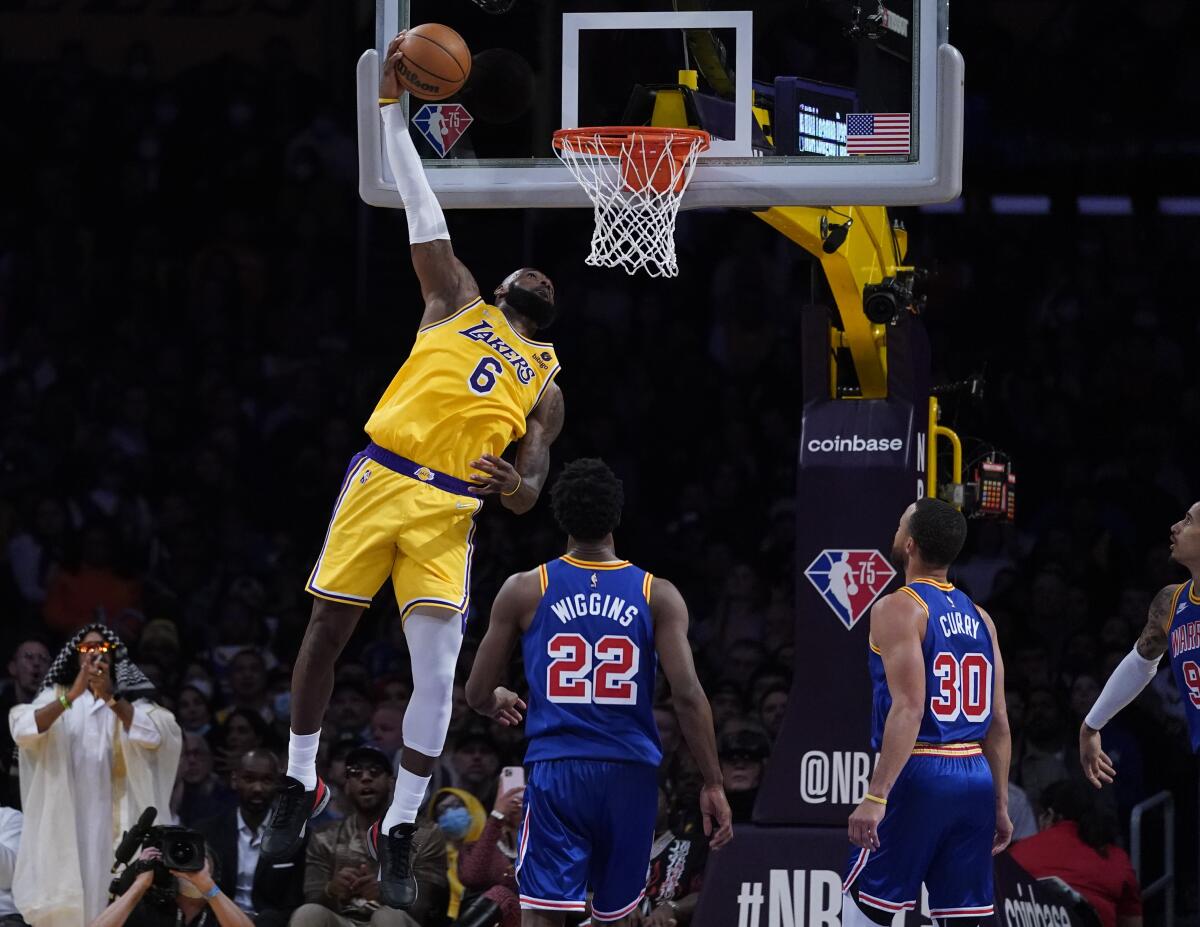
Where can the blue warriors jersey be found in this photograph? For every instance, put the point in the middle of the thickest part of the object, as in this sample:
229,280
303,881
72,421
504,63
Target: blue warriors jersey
959,669
590,663
1183,646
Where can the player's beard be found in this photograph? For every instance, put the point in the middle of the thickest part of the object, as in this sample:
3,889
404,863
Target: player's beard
899,559
537,309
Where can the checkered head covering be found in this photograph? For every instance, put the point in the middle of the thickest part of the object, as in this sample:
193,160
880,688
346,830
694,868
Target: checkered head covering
129,682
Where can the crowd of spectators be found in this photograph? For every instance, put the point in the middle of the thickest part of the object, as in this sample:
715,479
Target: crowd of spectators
196,315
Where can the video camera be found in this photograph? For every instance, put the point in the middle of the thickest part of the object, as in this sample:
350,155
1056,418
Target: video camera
182,850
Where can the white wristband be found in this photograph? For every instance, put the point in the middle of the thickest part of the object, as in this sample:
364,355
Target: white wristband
426,221
1127,681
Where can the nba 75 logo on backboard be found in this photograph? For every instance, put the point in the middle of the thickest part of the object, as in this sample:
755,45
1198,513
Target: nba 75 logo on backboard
442,124
850,580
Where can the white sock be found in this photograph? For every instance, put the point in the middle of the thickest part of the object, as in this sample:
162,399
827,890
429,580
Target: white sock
302,758
406,800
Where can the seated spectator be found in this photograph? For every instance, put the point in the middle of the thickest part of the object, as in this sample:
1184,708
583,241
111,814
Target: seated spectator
194,711
242,731
742,753
1042,760
488,866
341,887
676,874
10,840
196,894
349,713
387,731
727,702
247,680
772,706
1077,843
267,892
476,762
461,818
159,644
199,793
30,660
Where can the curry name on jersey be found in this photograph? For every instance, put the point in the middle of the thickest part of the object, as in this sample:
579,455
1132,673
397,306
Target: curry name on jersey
1183,647
466,389
959,669
590,663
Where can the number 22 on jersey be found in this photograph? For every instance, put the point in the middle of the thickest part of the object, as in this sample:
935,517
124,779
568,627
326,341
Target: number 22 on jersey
602,675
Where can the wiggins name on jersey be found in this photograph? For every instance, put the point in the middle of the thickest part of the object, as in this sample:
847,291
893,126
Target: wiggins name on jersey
466,389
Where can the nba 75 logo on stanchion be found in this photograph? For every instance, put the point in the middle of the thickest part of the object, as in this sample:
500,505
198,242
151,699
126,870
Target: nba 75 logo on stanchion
849,581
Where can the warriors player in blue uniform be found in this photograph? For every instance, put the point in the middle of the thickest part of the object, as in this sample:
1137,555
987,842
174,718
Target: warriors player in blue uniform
593,629
1173,627
936,809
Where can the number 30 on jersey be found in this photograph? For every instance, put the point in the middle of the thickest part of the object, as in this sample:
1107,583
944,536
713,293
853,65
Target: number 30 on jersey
570,678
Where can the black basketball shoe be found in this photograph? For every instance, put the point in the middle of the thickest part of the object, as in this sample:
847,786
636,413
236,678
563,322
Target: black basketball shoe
397,886
288,820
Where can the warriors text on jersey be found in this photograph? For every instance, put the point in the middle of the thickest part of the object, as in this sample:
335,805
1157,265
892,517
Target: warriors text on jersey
590,662
466,389
959,669
1183,648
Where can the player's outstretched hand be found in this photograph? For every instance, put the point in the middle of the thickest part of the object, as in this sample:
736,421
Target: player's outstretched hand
389,78
864,824
718,819
1003,832
499,476
1096,765
508,707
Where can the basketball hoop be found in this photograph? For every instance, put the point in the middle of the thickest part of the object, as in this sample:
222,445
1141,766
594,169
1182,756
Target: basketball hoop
635,177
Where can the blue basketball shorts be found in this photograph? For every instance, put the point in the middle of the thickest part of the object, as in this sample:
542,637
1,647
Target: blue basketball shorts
938,829
589,824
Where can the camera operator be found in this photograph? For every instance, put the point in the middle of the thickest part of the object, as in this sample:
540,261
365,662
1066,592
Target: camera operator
196,901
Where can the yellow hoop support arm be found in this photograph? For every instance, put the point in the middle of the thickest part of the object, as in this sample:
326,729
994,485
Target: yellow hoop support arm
940,431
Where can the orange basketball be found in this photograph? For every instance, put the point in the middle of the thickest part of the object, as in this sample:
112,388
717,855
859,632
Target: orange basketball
436,61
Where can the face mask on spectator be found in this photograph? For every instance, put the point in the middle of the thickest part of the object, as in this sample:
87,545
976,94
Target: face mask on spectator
283,705
455,822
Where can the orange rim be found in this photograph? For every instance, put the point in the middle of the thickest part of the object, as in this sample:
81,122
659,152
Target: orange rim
612,138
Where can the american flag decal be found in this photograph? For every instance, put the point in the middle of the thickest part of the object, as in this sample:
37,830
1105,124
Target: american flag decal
878,133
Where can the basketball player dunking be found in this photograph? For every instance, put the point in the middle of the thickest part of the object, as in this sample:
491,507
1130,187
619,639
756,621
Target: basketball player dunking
936,809
590,626
1173,626
473,383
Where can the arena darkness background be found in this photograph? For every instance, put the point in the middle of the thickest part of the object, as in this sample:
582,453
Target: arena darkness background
197,314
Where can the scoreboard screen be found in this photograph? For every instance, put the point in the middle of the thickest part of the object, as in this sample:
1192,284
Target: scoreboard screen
810,117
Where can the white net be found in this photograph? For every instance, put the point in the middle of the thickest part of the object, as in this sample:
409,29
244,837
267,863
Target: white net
635,181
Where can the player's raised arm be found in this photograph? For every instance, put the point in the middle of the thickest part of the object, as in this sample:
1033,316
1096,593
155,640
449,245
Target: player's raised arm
486,694
446,284
894,631
691,706
997,745
1127,681
519,485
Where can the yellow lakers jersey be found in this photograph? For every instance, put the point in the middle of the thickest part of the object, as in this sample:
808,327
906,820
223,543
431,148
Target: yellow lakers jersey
465,390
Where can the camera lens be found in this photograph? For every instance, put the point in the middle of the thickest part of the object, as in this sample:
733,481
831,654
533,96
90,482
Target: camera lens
183,852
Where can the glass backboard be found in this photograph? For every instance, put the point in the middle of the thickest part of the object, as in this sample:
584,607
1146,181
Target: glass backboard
808,104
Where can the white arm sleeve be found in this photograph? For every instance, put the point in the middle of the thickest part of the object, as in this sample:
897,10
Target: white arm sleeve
425,219
1127,681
